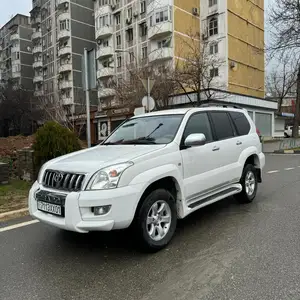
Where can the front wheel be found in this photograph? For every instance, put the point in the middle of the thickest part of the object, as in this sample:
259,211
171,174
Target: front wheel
249,184
156,220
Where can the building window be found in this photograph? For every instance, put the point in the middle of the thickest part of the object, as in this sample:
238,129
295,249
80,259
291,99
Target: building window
130,34
144,52
162,16
213,26
213,2
129,13
105,43
143,29
118,19
143,6
161,44
104,2
213,48
17,55
103,21
64,25
118,40
214,72
119,61
131,57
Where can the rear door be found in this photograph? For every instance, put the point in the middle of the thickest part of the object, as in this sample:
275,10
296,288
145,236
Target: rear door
227,142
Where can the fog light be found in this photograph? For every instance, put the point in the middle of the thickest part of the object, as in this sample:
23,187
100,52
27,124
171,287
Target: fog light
101,210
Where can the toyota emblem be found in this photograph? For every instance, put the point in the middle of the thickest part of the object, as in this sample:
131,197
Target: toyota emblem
58,177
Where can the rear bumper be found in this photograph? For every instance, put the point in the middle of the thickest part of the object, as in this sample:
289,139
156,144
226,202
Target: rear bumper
79,216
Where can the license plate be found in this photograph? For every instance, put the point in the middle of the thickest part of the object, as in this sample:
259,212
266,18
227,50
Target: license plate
49,208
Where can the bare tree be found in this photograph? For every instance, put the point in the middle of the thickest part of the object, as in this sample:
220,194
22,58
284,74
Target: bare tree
281,80
285,23
199,68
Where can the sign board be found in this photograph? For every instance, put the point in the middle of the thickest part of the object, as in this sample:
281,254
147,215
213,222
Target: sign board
103,129
139,111
145,84
91,69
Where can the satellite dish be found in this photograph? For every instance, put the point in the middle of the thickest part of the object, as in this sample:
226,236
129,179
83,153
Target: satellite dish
149,105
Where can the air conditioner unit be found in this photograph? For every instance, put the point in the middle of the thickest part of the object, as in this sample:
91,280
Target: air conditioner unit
195,11
66,5
113,6
99,42
128,20
204,36
135,14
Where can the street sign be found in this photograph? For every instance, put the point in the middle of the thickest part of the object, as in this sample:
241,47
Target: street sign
139,111
91,70
149,104
145,84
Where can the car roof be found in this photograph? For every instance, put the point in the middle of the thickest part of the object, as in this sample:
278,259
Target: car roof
183,111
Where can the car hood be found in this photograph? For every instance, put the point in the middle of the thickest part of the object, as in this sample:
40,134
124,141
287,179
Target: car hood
95,158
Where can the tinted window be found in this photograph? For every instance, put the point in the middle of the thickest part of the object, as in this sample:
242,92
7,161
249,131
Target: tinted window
198,123
241,123
222,125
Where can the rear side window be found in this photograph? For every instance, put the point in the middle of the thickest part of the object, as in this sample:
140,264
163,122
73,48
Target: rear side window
198,123
222,125
241,123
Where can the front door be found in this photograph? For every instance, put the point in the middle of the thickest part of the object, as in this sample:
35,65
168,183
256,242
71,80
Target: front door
200,164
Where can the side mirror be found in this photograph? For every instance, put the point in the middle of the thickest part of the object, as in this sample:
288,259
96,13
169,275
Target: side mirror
195,139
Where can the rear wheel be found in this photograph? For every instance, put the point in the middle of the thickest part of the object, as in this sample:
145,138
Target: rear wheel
249,184
156,220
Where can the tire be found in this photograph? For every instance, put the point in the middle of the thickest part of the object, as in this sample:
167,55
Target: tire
149,224
249,184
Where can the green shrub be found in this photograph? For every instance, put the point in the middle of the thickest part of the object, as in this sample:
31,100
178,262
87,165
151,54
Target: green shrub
53,140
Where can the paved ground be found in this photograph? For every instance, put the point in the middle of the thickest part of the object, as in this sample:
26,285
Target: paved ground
225,251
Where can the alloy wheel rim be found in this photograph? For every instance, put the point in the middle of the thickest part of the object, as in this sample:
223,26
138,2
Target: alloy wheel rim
250,183
158,220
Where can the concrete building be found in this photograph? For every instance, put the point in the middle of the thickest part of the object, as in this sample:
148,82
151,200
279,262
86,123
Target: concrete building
62,29
15,51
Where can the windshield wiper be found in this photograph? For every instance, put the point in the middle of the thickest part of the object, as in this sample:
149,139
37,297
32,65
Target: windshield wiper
114,143
140,141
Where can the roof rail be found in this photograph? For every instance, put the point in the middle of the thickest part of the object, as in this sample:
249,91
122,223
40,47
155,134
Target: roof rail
221,105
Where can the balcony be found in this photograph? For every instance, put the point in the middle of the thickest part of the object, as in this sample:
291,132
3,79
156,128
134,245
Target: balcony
14,36
62,2
37,78
67,101
160,30
38,93
36,20
64,15
15,48
67,67
106,92
105,72
15,74
104,52
161,54
65,84
36,35
37,49
64,34
104,32
37,64
64,51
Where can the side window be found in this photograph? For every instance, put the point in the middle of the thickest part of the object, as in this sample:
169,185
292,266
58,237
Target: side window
198,123
241,123
222,125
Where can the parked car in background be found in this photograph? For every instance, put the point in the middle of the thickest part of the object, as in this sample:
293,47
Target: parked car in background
289,131
153,170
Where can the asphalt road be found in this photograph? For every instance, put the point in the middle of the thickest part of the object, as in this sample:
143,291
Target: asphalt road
225,251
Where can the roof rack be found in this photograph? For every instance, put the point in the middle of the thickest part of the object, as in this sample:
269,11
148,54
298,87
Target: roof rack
221,105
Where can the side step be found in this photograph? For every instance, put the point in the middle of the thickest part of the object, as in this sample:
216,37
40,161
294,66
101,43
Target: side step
232,190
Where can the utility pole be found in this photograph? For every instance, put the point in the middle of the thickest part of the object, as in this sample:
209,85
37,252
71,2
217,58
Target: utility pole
295,132
87,98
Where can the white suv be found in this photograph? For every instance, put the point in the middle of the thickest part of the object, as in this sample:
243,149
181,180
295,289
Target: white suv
154,169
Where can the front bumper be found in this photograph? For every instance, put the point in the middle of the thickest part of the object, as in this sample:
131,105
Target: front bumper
78,209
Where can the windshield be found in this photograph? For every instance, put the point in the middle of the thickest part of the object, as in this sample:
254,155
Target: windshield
146,130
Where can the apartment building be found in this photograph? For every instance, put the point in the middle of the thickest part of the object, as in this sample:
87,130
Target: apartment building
237,27
61,31
15,51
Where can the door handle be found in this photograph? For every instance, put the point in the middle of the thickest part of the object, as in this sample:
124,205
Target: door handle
216,148
239,143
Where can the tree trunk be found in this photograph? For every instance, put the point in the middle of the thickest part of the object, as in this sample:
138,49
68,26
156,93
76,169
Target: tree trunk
297,112
199,98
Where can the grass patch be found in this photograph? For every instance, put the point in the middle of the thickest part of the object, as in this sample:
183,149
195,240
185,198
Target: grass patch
14,195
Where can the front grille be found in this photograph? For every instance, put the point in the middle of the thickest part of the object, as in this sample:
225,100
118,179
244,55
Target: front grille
63,181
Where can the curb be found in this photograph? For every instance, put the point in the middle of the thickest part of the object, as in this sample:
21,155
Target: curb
287,151
14,212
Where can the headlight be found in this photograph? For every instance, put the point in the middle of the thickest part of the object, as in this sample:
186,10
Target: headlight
39,178
107,178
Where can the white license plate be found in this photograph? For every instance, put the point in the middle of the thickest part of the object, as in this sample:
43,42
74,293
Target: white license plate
50,208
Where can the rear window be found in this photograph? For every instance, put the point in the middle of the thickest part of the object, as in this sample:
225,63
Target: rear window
241,123
222,125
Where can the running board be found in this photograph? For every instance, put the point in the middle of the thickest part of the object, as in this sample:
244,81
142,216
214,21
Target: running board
232,190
